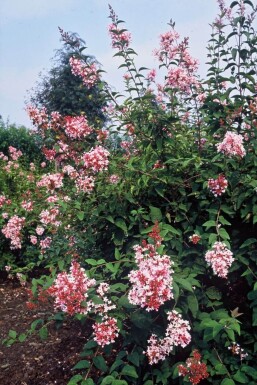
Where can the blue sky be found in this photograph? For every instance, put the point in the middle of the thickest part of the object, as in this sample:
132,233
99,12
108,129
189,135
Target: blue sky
29,35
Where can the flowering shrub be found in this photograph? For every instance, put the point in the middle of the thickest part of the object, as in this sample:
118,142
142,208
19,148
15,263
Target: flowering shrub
141,210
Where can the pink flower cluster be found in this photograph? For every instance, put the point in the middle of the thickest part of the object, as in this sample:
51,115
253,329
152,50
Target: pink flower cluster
152,282
194,369
85,184
181,79
114,179
48,217
12,231
177,334
71,296
218,186
27,205
45,244
120,38
88,72
106,331
76,127
71,290
51,181
181,66
220,258
232,145
38,117
4,201
96,159
14,153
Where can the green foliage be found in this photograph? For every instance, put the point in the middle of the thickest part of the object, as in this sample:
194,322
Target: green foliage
22,139
163,178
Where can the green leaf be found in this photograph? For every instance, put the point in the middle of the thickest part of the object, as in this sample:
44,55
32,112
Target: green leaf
90,345
209,224
43,333
232,5
116,364
192,304
124,302
95,262
108,380
75,379
220,369
100,363
155,214
213,293
248,242
83,364
223,234
130,371
241,377
22,337
119,222
184,283
134,358
80,215
35,324
12,334
88,381
227,381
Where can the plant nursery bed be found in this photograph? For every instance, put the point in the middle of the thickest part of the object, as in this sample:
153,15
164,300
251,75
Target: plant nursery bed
35,361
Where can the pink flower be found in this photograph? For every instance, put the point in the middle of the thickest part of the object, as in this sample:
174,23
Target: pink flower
114,179
152,282
218,186
88,72
177,333
45,243
27,205
48,217
33,239
77,127
180,79
120,39
232,144
71,290
38,117
40,230
220,258
51,181
151,75
12,231
106,331
85,184
96,159
14,153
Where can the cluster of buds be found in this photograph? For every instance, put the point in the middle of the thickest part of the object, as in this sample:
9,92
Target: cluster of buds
237,350
195,238
194,369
